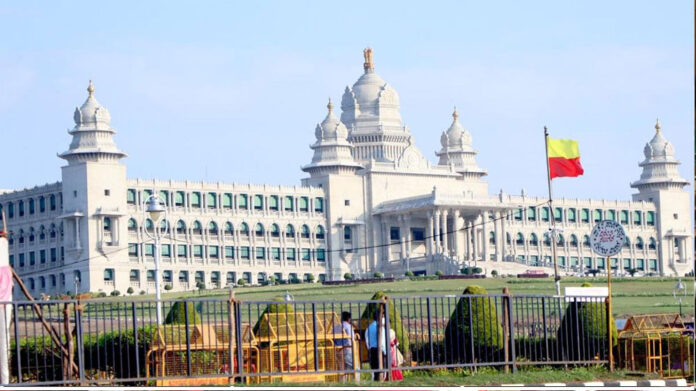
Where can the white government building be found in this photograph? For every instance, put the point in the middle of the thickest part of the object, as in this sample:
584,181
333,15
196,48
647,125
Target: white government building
371,202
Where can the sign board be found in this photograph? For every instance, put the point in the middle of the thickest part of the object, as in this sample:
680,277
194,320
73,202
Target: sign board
592,293
607,238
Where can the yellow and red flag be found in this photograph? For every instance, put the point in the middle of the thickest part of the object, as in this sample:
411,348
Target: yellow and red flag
564,158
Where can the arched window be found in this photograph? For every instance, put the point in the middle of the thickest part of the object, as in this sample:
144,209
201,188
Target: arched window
289,231
561,240
652,244
304,232
227,201
180,227
547,239
21,208
639,243
637,217
275,230
52,232
197,227
229,229
107,224
585,215
597,215
571,215
558,214
132,225
519,239
508,239
52,202
611,214
195,198
31,235
130,196
179,198
211,200
164,197
42,233
42,204
347,233
149,226
288,203
650,218
31,206
623,217
273,202
244,229
586,241
212,228
20,236
627,242
573,240
533,239
545,214
259,230
491,237
10,210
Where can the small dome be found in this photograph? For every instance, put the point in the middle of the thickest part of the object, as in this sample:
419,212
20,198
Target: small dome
658,147
331,127
457,136
91,112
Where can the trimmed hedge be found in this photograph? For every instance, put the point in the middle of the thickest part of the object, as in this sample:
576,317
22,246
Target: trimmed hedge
481,326
177,313
394,320
585,324
261,329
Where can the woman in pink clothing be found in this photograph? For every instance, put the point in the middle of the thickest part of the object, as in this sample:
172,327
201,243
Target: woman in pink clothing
396,357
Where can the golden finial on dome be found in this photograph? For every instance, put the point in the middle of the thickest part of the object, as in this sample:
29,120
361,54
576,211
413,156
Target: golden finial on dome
369,65
330,106
657,125
90,88
455,115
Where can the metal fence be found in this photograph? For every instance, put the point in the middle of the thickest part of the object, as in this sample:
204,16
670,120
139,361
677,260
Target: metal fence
226,340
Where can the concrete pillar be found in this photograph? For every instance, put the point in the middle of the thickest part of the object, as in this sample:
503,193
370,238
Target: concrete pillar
503,236
386,240
456,246
484,235
498,241
429,234
445,245
407,234
438,245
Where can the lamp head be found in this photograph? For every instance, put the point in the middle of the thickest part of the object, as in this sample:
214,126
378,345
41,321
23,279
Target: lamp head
288,296
680,286
154,208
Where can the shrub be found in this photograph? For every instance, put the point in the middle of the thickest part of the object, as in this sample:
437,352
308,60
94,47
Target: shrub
177,315
585,324
494,273
101,294
200,285
439,273
130,290
632,272
378,275
115,293
168,287
241,282
394,320
474,318
409,274
142,292
471,270
348,276
586,284
310,278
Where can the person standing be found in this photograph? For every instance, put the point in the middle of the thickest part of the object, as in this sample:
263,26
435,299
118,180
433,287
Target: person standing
373,341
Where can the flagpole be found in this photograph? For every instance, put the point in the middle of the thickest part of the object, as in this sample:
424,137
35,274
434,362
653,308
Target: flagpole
556,277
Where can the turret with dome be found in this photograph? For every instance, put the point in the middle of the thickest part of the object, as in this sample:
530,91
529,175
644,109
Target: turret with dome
660,166
457,150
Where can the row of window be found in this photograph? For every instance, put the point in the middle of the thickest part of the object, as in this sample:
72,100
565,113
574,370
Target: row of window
32,234
599,263
533,240
584,215
31,206
41,257
228,252
228,229
212,200
199,276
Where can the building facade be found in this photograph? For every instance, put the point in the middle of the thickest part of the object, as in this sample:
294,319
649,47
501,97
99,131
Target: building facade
371,202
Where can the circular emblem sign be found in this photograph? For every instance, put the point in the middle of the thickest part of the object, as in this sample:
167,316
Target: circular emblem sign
607,238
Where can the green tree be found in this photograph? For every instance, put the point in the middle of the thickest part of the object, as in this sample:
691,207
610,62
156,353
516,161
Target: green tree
439,273
409,274
394,320
176,314
379,274
584,324
348,276
241,282
130,290
115,293
168,287
474,319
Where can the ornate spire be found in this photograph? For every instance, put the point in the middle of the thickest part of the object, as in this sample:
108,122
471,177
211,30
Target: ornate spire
90,88
369,65
330,106
455,115
657,125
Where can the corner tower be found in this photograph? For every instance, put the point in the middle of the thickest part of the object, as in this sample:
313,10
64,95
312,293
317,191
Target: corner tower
661,184
458,152
94,198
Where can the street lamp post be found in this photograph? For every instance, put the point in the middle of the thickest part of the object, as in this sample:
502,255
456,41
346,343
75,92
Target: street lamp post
679,292
154,208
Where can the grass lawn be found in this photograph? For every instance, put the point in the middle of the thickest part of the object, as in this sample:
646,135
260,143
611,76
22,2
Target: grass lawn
631,295
490,377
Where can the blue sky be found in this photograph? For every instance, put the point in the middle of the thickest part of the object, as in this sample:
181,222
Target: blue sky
232,91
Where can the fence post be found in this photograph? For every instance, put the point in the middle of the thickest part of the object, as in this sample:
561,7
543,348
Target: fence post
430,332
188,338
238,335
79,342
135,338
17,344
387,338
68,359
511,321
543,317
232,333
314,332
506,333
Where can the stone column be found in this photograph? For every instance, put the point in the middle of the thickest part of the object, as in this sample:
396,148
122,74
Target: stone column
407,234
474,241
386,240
503,236
438,245
484,235
402,236
456,234
429,234
498,245
445,245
